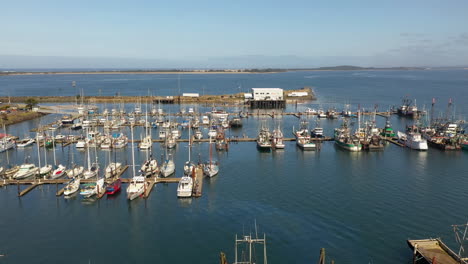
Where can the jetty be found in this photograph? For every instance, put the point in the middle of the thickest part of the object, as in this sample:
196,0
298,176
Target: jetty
434,251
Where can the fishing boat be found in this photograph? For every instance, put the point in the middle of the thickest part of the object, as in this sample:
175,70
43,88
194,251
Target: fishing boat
277,139
321,113
218,113
72,187
185,186
408,108
25,142
263,139
211,168
317,132
25,171
137,185
387,131
345,140
303,129
412,139
221,142
113,187
112,169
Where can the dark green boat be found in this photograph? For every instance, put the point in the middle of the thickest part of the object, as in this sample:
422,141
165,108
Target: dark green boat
388,130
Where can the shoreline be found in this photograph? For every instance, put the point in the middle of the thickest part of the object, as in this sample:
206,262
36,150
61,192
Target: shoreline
20,116
134,72
216,99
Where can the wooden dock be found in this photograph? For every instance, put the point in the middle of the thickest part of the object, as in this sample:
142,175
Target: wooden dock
434,251
197,176
28,189
393,141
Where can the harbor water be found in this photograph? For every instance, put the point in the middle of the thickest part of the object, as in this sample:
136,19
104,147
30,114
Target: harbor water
360,206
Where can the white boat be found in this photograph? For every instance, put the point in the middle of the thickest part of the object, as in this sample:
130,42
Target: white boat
72,187
185,186
25,142
211,168
75,172
136,187
212,133
26,170
6,144
82,143
145,143
310,111
277,139
58,172
167,168
60,137
321,114
205,120
150,168
113,169
218,113
317,132
188,167
198,134
162,134
94,188
91,172
175,133
305,143
45,170
412,140
170,142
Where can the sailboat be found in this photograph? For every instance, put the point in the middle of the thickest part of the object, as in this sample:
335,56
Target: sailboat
72,186
74,171
138,185
146,143
112,169
92,168
211,169
59,169
188,166
43,171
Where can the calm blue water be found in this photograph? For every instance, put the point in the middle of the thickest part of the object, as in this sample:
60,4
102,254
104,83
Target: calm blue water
360,206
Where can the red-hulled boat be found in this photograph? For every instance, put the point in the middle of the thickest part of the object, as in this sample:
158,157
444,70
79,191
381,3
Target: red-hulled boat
113,187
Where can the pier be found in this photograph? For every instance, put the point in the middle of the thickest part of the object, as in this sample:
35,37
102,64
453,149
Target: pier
197,176
433,251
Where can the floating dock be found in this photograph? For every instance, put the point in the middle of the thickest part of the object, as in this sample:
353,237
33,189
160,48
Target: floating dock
197,181
433,251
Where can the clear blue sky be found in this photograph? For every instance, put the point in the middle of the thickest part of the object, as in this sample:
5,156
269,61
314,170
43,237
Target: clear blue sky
325,32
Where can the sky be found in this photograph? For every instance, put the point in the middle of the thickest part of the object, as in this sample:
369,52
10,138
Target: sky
239,33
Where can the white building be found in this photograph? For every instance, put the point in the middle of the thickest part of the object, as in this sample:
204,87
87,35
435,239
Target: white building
267,94
191,95
298,94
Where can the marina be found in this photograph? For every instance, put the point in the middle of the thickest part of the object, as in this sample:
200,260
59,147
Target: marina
307,192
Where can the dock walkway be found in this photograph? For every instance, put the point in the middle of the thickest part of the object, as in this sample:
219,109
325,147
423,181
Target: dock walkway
434,251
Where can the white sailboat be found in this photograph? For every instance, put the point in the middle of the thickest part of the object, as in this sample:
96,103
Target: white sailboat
138,185
93,169
59,169
188,166
72,187
211,169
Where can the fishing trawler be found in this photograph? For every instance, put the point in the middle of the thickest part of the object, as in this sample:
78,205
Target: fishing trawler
345,140
263,139
277,139
412,139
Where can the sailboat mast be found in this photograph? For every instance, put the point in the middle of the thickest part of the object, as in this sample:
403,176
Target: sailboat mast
38,151
53,146
87,148
133,152
45,150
